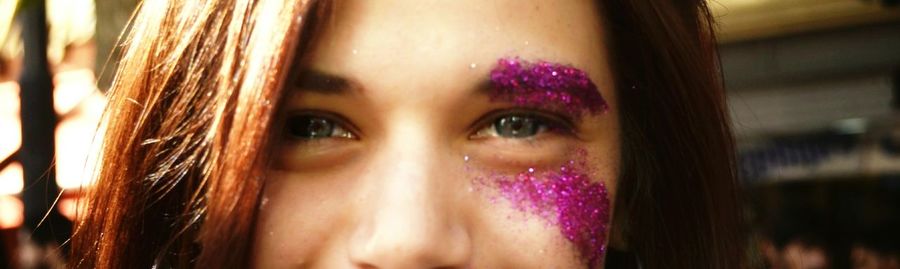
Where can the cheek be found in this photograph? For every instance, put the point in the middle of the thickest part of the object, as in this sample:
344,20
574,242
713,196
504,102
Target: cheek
294,223
565,197
513,239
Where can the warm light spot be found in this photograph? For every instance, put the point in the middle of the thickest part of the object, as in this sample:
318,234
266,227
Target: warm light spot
72,87
9,98
10,137
11,210
70,204
75,142
11,179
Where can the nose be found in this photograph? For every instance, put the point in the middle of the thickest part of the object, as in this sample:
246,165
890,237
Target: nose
409,217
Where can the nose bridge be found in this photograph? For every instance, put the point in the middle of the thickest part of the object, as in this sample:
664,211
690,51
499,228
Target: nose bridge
407,220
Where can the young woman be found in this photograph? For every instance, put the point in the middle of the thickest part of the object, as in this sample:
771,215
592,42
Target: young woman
415,134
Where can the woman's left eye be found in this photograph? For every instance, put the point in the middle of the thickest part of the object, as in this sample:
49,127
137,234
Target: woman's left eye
515,126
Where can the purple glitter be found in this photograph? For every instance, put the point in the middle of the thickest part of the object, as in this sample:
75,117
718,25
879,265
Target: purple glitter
545,84
567,199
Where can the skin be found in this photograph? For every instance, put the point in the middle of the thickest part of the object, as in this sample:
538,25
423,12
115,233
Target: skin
399,193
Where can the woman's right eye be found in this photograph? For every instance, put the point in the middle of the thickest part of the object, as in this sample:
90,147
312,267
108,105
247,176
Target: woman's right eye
310,127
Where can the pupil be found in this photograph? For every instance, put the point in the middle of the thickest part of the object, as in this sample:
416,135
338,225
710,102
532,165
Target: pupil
515,126
311,127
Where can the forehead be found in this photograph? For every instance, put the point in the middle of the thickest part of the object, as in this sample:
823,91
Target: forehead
401,43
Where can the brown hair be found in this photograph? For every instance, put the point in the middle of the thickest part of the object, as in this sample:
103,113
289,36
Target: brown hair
678,200
185,131
196,92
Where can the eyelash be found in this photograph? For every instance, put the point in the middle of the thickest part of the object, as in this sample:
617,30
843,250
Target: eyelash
486,127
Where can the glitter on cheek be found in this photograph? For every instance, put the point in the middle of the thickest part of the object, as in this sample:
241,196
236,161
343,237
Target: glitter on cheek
547,85
566,198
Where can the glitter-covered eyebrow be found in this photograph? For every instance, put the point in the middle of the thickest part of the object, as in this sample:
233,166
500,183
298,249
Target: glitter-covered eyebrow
544,85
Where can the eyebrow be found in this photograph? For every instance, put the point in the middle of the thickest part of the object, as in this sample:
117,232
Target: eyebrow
540,84
545,85
317,81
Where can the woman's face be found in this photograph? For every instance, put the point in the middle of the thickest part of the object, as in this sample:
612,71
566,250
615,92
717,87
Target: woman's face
426,134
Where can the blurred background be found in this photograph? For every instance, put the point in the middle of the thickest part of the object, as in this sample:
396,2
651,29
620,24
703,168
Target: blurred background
814,92
813,86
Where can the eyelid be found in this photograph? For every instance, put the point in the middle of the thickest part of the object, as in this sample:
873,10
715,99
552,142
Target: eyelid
337,118
556,122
